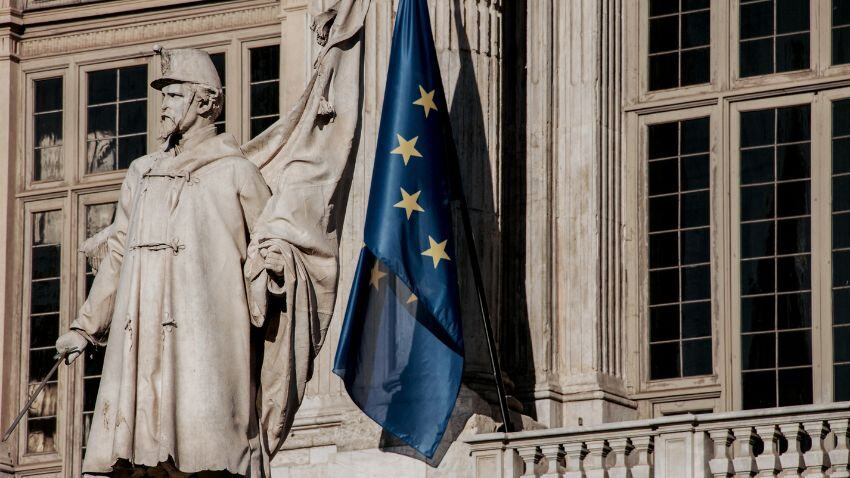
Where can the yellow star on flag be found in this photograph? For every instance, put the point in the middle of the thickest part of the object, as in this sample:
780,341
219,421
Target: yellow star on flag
377,275
426,101
406,148
437,251
412,299
408,202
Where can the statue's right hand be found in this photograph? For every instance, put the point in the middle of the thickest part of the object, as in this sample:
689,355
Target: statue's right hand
71,343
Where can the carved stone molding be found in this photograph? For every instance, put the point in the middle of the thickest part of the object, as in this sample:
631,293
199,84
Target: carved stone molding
149,31
9,46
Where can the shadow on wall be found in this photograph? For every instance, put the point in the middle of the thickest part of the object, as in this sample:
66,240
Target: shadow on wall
501,251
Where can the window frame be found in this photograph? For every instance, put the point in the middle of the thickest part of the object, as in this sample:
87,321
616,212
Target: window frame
821,271
640,253
28,174
640,52
84,177
30,208
245,75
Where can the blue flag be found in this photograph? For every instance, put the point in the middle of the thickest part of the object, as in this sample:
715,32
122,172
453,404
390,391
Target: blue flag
400,353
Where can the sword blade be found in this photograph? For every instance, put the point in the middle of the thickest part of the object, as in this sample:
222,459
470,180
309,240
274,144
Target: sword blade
34,395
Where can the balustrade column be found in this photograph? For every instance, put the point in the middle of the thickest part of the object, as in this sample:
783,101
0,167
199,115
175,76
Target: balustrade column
554,455
596,465
792,459
642,457
768,461
840,455
530,457
816,459
574,457
622,449
721,464
744,461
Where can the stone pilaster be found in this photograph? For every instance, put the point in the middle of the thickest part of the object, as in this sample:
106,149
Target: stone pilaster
10,111
573,223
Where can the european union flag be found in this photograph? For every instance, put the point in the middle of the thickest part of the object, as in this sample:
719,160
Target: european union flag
401,349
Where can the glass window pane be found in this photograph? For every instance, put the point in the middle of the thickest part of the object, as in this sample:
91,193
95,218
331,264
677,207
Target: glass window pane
841,306
98,217
756,19
695,66
695,173
688,5
265,63
841,155
792,273
758,128
100,155
663,176
695,136
840,12
695,211
840,45
133,82
795,387
757,165
793,199
794,311
696,320
758,351
663,34
663,250
47,163
792,16
663,140
132,117
757,276
757,313
664,323
258,125
756,57
841,193
44,330
696,283
696,357
130,148
695,29
665,360
795,348
840,268
756,202
841,118
757,239
48,94
663,286
759,389
792,161
695,246
663,7
663,71
48,129
841,351
46,261
101,122
793,123
840,230
102,86
842,382
264,99
663,213
794,236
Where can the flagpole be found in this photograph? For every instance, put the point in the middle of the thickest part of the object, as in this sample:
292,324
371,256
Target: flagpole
482,304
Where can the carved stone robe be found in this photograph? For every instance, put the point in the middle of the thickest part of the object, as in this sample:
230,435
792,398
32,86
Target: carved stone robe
170,302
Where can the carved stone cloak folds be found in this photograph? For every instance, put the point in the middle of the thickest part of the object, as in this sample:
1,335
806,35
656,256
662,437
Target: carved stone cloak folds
307,157
177,380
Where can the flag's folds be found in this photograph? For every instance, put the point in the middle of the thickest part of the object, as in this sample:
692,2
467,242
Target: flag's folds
401,349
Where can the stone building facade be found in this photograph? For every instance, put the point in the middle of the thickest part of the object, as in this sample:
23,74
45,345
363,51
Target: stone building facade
658,188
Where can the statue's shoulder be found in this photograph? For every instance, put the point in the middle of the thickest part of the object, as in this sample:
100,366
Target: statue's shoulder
143,164
233,154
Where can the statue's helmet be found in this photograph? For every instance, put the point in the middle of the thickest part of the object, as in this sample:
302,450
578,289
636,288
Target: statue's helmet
186,65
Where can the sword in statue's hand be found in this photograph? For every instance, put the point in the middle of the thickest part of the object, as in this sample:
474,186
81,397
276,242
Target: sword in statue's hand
59,358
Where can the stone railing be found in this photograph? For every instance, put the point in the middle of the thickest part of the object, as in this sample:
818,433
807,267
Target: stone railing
810,441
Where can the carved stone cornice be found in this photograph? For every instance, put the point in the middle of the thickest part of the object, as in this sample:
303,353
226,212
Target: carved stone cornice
9,46
147,31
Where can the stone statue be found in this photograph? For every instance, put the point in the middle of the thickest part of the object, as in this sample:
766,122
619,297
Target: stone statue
212,295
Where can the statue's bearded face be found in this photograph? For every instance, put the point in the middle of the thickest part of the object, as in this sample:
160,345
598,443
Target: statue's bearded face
179,111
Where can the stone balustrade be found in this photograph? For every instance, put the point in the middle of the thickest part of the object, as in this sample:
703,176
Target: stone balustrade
808,441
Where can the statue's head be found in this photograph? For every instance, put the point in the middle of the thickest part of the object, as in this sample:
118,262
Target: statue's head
191,91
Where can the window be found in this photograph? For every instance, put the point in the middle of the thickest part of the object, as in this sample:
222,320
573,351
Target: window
679,38
219,61
774,36
265,87
840,32
116,124
45,253
775,212
841,248
679,255
47,128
